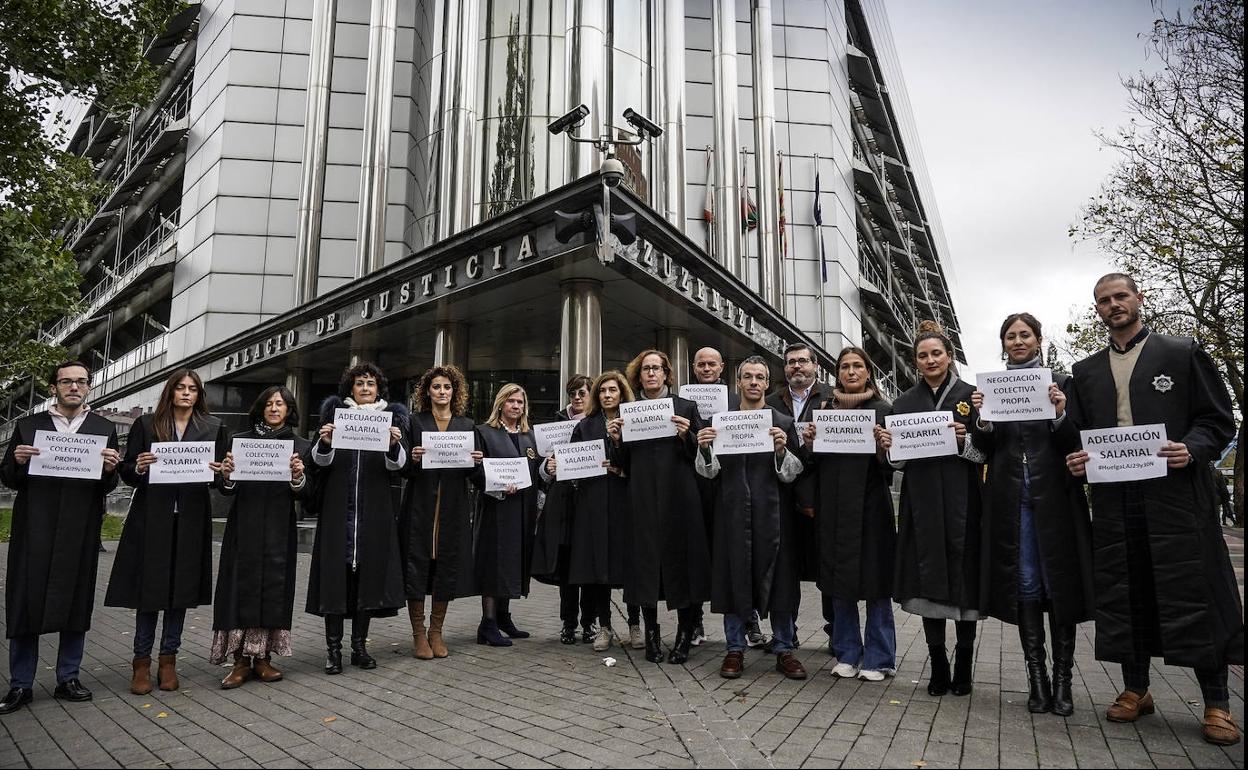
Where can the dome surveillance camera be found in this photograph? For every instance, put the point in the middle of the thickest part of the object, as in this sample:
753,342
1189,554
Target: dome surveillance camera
612,172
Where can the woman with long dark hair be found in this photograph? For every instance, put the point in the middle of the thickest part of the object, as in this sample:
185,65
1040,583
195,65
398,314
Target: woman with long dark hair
164,559
255,597
436,524
1037,547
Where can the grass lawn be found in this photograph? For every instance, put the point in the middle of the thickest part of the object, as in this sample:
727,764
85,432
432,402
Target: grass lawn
110,531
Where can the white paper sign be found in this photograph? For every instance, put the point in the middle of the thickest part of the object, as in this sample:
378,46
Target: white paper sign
800,429
746,432
580,460
921,434
551,434
647,419
711,399
844,431
501,472
366,429
1016,395
262,459
181,462
1124,454
68,455
447,449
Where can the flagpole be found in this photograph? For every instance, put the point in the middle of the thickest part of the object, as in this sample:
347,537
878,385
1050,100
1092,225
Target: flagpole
823,284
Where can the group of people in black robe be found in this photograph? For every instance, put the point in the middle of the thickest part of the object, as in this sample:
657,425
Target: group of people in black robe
1002,528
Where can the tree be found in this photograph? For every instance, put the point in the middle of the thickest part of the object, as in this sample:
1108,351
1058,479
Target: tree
53,52
1171,212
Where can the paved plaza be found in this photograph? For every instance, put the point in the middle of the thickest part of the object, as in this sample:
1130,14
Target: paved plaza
543,704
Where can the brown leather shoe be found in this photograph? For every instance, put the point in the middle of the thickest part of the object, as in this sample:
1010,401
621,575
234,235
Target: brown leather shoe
1220,727
239,674
436,618
264,670
141,679
734,663
167,672
420,642
788,664
1129,707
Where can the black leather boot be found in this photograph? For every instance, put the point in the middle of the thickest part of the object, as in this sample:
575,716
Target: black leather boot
508,626
654,649
939,683
359,642
333,644
1063,662
1031,634
963,670
488,633
680,650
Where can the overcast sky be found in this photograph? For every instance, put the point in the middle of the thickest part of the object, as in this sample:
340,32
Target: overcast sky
1007,96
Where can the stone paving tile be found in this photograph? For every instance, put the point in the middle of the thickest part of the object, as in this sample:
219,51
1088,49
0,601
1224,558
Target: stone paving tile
543,704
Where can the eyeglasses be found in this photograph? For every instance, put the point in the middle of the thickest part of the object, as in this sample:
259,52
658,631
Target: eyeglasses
797,362
66,382
652,368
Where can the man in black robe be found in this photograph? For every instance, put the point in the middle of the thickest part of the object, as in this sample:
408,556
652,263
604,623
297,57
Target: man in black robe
1163,578
50,585
754,559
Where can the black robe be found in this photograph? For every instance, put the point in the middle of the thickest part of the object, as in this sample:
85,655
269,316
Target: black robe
553,534
55,537
356,488
597,552
503,531
1059,516
805,489
437,522
757,550
164,559
938,525
256,577
669,559
1198,604
854,519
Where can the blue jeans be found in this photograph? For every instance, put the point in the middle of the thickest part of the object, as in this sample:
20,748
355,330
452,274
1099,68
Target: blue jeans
1031,577
24,658
781,631
145,632
880,651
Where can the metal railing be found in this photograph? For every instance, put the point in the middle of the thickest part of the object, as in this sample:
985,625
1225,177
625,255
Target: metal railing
900,308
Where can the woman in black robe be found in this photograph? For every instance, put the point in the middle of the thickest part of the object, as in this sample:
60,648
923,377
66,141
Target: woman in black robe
503,532
164,559
436,524
937,569
668,558
1037,545
356,568
255,597
856,534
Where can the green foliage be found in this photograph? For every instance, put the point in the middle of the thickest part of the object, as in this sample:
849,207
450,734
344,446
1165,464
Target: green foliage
109,530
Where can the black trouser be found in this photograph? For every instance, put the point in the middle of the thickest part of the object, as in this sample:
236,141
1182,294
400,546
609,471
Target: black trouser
574,599
686,617
934,630
829,613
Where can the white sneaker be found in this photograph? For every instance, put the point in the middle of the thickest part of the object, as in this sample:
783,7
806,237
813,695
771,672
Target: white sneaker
871,675
699,636
602,640
635,639
845,670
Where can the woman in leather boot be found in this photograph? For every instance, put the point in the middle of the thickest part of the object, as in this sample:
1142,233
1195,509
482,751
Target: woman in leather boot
1037,551
436,524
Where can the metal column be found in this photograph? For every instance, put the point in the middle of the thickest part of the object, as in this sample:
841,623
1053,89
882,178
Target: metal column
675,342
726,230
370,244
458,148
315,141
586,41
580,333
299,383
770,258
669,107
450,345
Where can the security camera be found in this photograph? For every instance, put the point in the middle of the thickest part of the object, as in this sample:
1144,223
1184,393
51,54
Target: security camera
642,123
612,172
571,120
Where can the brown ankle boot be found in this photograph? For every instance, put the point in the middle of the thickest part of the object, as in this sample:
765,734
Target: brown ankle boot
436,619
141,679
420,642
239,674
167,672
265,671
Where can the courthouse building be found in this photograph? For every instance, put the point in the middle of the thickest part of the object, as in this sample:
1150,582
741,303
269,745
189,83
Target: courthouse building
329,180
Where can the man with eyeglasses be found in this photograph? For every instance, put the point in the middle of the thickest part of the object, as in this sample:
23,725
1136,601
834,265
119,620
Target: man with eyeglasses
55,546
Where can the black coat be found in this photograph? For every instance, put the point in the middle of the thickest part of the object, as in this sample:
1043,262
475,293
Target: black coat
938,525
756,553
805,489
355,491
256,577
855,521
1059,516
503,530
54,539
553,533
669,559
597,552
164,559
1198,602
437,522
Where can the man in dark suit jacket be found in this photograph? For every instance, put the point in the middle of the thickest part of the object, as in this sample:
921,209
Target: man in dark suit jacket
1163,578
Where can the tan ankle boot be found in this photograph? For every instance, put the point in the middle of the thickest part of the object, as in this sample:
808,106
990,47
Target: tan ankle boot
436,619
239,674
265,671
420,643
167,672
141,679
